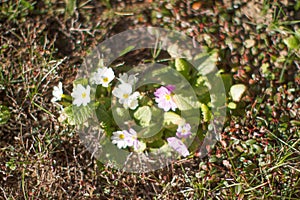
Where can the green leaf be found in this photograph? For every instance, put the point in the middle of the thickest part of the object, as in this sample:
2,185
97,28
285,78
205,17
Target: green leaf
4,114
207,62
182,66
82,81
165,149
176,52
103,115
120,113
77,115
206,113
227,80
105,101
157,113
201,81
156,144
185,103
171,118
203,94
237,91
193,120
143,114
292,42
146,101
150,133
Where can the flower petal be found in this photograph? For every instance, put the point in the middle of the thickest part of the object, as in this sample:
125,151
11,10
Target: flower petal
178,146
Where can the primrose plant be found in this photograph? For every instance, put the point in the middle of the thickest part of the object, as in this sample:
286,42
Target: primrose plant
155,109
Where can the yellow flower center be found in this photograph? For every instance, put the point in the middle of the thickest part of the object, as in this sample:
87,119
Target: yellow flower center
121,136
183,131
105,79
168,97
125,96
83,95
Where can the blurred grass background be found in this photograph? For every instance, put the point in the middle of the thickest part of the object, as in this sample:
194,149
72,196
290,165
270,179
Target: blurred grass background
44,42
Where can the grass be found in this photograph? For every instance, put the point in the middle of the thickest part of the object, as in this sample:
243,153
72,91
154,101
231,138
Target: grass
43,43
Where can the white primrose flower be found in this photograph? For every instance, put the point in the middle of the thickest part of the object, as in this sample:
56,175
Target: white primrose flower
120,139
178,146
184,130
125,139
103,76
57,93
81,95
123,93
132,102
132,139
131,79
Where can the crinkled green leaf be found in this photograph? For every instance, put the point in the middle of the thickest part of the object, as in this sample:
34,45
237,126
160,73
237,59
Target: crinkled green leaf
120,114
206,113
227,80
77,115
171,118
103,115
176,52
156,144
163,150
185,103
150,133
201,89
143,114
206,62
182,66
156,113
193,120
82,81
203,94
145,100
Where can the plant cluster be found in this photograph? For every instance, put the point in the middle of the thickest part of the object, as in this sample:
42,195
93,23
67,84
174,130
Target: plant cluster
139,116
